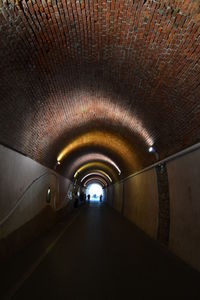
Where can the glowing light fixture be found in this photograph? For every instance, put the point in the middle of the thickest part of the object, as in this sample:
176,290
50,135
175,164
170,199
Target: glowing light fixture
57,164
151,149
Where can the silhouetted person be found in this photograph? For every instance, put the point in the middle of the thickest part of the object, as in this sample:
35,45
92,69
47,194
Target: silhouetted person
88,197
101,197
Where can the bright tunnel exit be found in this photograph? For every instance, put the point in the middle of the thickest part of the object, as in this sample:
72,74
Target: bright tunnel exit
95,191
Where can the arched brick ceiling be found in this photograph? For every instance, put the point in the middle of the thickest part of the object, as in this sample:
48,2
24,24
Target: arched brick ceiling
99,180
82,160
129,68
102,139
95,176
97,167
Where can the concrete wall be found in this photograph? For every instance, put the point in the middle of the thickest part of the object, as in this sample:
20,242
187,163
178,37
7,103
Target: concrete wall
137,199
141,201
109,195
118,196
184,189
139,194
19,174
144,195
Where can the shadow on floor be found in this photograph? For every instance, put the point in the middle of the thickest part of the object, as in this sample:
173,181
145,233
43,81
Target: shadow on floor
100,255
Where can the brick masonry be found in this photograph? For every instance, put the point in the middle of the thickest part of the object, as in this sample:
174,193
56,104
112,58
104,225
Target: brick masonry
128,67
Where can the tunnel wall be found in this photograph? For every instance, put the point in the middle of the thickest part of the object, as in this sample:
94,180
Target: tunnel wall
164,203
24,211
184,189
141,201
118,196
137,199
109,195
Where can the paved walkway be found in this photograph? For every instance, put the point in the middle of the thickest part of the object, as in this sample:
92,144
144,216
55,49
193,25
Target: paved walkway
103,256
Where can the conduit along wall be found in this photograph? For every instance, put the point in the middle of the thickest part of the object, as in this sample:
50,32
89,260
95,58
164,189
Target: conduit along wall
163,201
31,197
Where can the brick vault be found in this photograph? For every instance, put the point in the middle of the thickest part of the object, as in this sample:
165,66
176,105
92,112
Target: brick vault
110,78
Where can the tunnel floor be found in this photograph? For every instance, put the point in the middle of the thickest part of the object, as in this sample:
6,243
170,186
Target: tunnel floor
101,255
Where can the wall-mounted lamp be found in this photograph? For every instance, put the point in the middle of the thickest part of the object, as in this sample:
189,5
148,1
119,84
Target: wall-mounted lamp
57,164
153,150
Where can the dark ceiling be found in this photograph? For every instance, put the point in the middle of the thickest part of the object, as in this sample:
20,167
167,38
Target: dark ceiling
71,70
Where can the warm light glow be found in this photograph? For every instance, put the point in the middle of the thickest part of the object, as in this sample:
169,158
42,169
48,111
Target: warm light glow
104,140
99,172
93,165
86,158
102,108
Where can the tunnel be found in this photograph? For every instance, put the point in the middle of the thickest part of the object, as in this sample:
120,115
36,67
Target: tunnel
103,92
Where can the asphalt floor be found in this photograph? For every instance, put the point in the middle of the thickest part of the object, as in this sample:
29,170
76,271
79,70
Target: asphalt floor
97,254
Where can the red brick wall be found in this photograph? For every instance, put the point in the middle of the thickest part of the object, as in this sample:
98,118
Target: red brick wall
59,59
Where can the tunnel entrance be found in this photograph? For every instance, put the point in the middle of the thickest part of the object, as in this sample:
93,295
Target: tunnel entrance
95,191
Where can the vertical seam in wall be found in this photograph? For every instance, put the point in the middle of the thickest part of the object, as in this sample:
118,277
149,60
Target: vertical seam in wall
164,204
169,205
170,219
158,206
